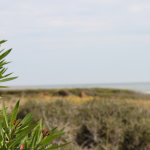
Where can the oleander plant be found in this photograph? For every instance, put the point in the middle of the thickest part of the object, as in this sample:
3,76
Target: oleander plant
16,134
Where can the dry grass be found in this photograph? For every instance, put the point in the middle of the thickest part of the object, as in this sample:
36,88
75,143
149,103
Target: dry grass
92,122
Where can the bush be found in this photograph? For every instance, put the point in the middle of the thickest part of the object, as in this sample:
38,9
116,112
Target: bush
97,124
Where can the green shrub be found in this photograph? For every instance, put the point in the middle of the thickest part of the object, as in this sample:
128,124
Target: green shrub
16,134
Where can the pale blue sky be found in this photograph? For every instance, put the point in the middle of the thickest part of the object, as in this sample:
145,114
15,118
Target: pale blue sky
77,41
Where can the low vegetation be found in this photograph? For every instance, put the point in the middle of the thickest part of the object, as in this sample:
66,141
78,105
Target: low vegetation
99,119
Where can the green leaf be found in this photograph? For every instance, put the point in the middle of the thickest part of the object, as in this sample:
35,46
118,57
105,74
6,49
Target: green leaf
1,50
1,130
8,79
4,69
17,140
59,131
34,130
26,124
39,138
6,75
34,139
40,134
26,120
3,41
25,145
4,146
44,126
27,129
14,115
6,128
48,146
52,131
4,86
50,138
5,115
27,117
5,54
2,63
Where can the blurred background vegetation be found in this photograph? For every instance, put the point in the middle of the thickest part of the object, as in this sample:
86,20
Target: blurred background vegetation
94,118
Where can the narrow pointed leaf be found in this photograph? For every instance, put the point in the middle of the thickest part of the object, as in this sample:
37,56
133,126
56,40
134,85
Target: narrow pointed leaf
49,139
27,129
59,131
3,41
14,113
8,79
27,117
5,115
4,86
5,54
17,139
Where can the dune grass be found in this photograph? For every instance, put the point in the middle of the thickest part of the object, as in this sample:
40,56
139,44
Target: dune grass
118,121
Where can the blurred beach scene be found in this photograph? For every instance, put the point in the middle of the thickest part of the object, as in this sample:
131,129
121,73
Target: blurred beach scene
80,64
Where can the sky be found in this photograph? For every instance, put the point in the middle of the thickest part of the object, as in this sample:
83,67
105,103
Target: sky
76,41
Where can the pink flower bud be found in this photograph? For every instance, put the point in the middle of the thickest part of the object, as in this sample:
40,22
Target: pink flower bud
21,147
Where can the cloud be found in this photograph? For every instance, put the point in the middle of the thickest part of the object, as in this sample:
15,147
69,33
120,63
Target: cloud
80,16
30,18
139,8
102,1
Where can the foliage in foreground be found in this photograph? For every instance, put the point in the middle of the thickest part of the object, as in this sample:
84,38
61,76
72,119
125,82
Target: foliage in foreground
17,133
4,78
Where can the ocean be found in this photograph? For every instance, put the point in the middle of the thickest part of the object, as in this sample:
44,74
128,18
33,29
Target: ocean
140,87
